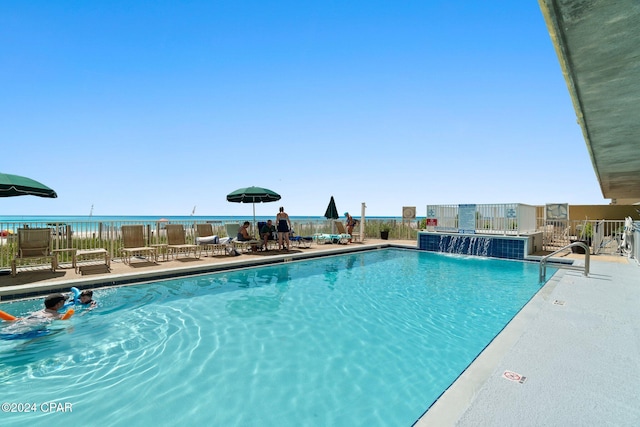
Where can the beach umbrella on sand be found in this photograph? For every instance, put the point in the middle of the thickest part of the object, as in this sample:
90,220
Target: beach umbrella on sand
253,195
332,212
15,185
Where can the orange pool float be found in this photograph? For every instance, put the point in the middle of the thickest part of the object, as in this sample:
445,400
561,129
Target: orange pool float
7,316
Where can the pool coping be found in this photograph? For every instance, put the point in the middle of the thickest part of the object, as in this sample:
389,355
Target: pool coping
573,351
455,400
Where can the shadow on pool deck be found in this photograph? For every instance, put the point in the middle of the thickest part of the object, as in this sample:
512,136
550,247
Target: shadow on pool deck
577,343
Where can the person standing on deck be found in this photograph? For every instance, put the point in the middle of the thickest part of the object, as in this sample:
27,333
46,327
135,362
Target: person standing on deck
284,226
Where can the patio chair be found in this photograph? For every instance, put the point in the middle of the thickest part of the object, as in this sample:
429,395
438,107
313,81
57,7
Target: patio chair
342,232
272,241
300,241
244,245
176,242
133,244
324,238
209,241
33,244
353,237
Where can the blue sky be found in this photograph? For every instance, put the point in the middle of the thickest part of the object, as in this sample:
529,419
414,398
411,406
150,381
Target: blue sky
154,107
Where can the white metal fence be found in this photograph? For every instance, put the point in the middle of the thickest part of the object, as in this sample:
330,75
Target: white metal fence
602,236
504,218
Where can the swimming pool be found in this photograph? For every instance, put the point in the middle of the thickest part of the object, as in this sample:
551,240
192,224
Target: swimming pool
371,338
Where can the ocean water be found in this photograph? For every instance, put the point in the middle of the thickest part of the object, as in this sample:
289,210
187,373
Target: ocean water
154,218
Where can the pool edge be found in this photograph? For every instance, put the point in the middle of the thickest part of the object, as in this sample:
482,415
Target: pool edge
456,399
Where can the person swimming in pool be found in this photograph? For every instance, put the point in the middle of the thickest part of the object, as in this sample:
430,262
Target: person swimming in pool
35,324
86,299
52,305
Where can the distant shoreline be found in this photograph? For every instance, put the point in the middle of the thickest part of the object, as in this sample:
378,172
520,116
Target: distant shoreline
154,218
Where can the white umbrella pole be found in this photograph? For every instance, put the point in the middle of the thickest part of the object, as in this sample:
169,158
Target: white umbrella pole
254,218
362,221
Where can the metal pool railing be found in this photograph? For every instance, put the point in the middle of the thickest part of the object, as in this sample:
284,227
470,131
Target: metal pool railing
544,260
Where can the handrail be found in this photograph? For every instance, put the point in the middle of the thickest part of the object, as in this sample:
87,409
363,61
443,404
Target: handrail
543,261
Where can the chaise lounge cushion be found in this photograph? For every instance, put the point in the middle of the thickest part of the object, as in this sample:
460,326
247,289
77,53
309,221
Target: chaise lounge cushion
208,240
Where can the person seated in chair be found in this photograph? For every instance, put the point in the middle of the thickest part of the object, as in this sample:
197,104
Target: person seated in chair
243,235
266,232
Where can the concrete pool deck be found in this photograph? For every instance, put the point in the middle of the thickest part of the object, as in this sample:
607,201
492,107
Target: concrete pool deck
580,356
577,345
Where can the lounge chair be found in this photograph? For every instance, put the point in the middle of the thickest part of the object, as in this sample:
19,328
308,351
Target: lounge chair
241,245
272,241
210,241
300,241
133,244
33,244
355,236
324,238
176,242
344,236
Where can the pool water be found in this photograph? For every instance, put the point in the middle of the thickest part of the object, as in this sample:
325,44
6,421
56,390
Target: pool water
366,339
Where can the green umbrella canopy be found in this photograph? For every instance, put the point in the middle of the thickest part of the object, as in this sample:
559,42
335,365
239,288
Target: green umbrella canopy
332,211
253,195
15,185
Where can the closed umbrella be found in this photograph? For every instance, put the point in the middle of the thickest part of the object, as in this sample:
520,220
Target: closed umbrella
332,212
15,185
253,195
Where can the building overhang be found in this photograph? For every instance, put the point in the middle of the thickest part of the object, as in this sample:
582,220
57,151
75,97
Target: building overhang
598,45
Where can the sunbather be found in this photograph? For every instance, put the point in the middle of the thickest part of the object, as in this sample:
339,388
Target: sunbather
243,236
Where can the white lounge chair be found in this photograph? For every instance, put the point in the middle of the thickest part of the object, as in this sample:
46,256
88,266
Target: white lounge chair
210,241
241,245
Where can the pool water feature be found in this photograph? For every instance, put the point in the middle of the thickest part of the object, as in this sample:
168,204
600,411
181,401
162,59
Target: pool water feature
370,339
516,247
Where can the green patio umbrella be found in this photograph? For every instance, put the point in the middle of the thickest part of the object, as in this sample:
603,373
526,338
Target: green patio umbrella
253,195
15,185
332,213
